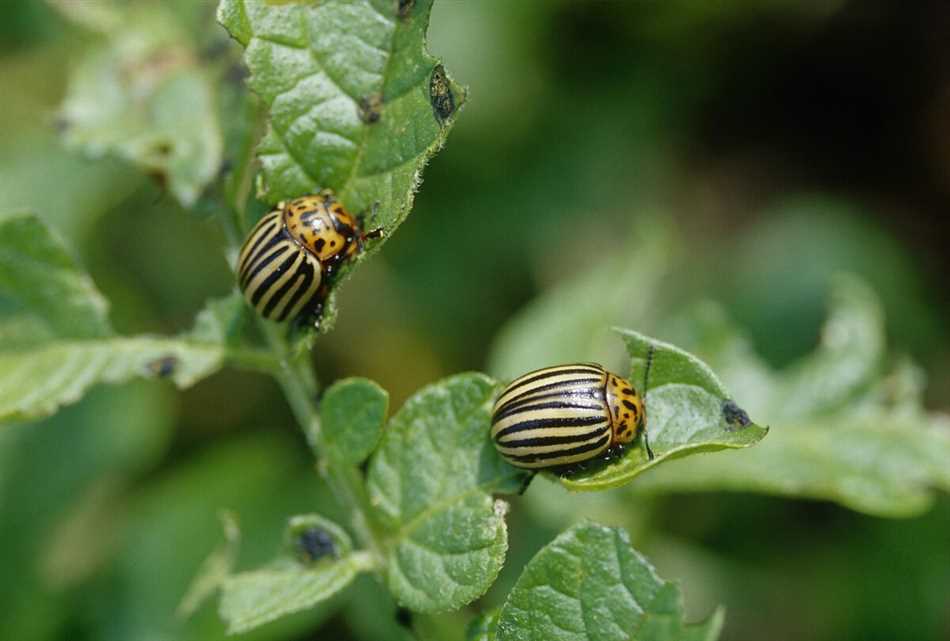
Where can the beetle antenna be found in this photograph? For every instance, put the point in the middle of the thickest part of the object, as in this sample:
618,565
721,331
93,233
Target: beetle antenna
646,382
646,371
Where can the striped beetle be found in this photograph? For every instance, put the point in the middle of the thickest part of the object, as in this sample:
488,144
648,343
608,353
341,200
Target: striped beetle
285,264
565,415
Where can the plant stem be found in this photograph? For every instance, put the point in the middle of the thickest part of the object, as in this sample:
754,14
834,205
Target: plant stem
256,360
296,379
294,372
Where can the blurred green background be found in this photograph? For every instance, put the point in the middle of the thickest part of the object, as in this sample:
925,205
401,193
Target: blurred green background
742,152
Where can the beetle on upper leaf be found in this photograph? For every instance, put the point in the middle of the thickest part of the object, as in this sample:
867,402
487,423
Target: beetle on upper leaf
288,259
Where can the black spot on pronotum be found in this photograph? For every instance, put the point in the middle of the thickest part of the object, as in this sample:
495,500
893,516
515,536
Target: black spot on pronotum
163,367
319,244
371,108
440,94
734,415
405,8
314,543
404,617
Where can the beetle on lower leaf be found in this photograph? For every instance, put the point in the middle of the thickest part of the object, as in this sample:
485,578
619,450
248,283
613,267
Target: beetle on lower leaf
563,416
287,262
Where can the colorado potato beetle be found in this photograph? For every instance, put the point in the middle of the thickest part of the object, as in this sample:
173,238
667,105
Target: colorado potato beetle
286,263
565,415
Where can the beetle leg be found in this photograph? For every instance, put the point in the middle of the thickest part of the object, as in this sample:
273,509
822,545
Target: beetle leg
613,452
526,482
314,315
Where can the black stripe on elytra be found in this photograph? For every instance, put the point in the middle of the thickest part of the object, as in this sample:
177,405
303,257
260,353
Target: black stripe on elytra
260,234
262,266
550,386
592,393
507,410
553,371
263,236
544,456
551,440
272,278
307,270
281,293
259,260
246,257
542,423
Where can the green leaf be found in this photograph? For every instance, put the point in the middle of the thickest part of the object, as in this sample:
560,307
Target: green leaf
250,599
36,378
688,411
431,480
356,104
143,97
842,433
39,275
55,337
352,413
589,584
287,585
880,464
350,89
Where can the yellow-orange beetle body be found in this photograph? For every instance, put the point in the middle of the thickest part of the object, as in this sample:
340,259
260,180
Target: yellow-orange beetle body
564,415
285,264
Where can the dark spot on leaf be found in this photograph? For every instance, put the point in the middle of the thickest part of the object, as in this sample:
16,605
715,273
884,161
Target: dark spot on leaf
62,124
162,149
734,415
440,94
315,543
404,617
163,367
236,74
371,108
405,8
